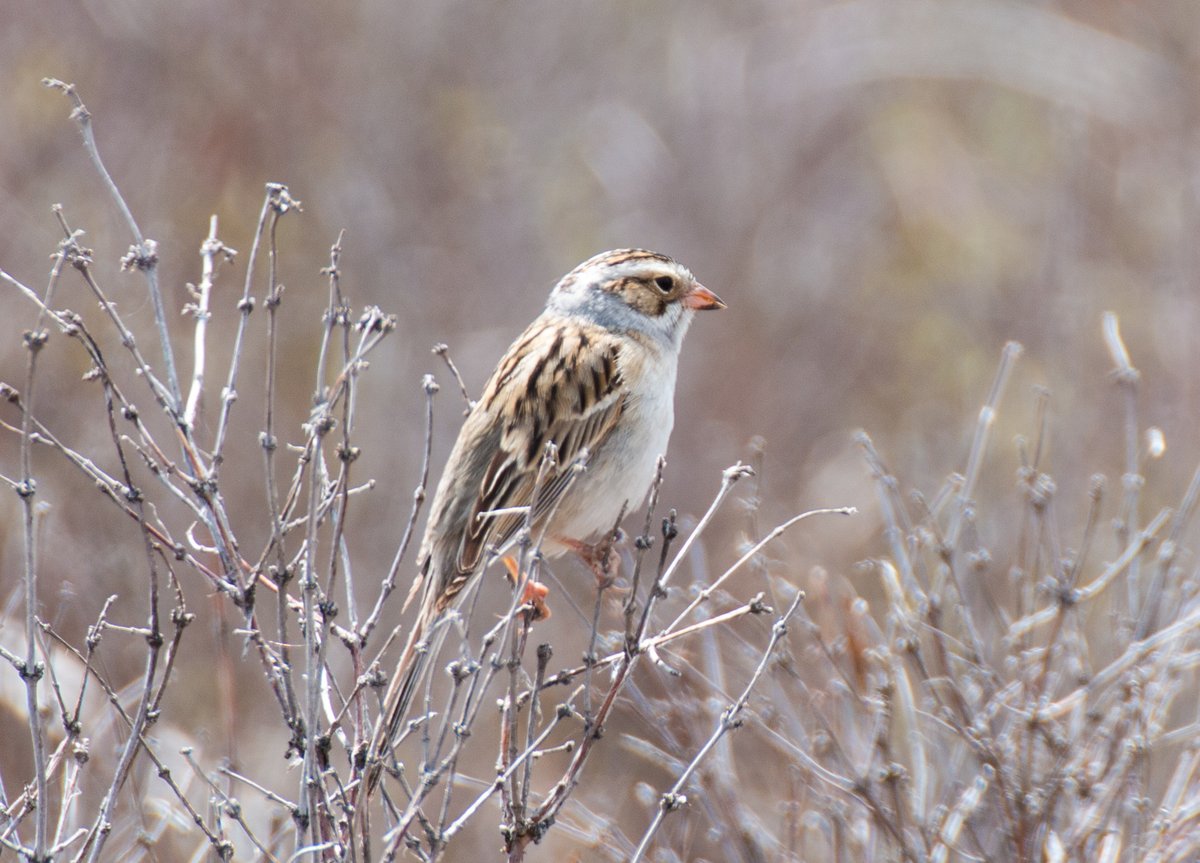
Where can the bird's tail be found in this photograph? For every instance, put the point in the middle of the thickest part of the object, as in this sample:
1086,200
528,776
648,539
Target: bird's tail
404,684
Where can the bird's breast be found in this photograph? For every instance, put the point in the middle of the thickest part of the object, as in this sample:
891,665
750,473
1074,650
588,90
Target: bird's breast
620,471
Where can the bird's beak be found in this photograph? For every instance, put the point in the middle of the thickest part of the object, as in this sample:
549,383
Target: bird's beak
700,298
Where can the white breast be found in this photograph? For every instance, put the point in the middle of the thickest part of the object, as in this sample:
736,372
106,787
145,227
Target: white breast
620,473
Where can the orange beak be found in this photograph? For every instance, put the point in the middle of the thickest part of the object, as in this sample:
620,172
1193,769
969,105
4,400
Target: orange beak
701,298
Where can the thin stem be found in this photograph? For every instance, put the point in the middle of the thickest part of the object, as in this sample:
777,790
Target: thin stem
154,643
144,255
749,555
729,720
31,669
728,477
278,201
209,250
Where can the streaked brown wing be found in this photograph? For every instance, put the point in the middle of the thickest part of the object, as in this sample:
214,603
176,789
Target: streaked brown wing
557,384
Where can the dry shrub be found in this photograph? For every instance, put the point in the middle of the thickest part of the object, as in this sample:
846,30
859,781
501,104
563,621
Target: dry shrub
1005,698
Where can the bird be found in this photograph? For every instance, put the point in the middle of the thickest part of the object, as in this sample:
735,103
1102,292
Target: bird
594,375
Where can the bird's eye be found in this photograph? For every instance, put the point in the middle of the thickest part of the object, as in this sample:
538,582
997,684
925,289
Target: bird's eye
665,283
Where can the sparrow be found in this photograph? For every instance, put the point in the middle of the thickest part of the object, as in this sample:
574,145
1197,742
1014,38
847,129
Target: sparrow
594,375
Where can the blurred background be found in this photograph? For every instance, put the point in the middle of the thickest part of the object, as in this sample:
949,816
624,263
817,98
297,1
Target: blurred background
883,191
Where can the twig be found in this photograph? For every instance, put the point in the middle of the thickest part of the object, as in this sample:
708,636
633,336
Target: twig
564,711
277,201
750,554
388,585
642,543
308,817
1021,627
754,606
144,254
209,250
1127,378
983,428
1169,549
443,351
31,670
154,642
728,477
229,805
161,769
730,719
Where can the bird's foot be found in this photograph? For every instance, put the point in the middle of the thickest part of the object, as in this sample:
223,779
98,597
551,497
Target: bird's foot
533,594
601,558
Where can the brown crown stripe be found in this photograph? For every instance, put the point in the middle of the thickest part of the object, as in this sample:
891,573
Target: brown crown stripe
635,255
622,256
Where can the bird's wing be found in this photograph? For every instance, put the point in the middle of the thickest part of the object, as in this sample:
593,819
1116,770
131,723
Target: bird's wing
557,383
